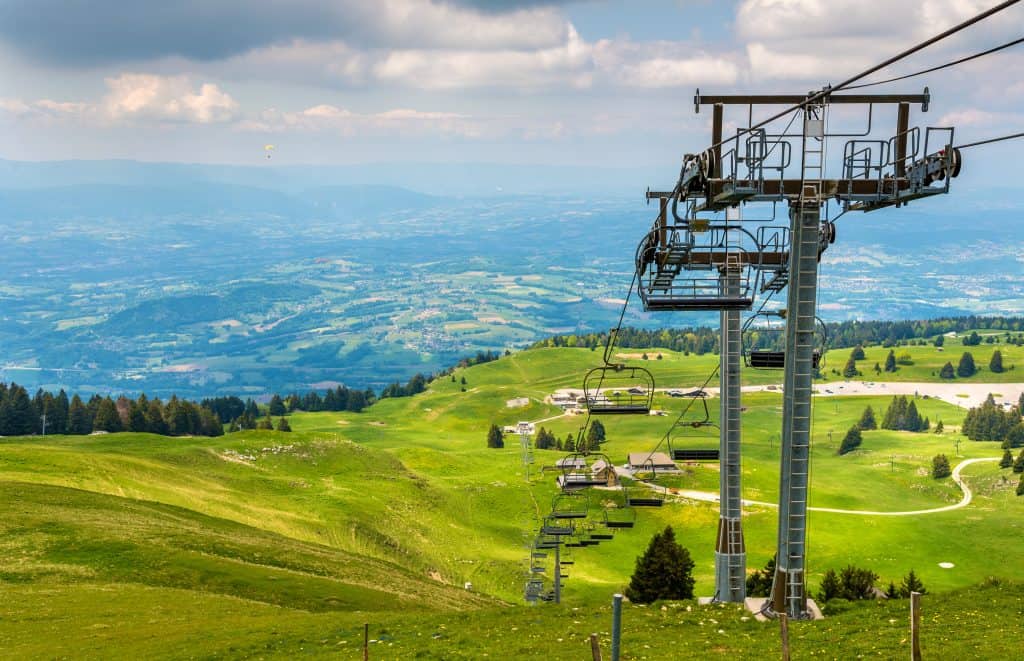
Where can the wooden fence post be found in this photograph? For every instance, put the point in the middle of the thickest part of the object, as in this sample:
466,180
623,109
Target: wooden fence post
784,631
595,647
366,641
915,626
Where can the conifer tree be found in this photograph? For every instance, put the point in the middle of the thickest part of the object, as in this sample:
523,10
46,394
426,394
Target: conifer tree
266,423
913,421
79,420
1007,459
867,419
890,361
911,583
759,582
850,370
966,367
1018,464
282,424
830,586
276,406
940,467
664,571
857,353
851,441
947,371
995,365
1020,486
107,418
494,437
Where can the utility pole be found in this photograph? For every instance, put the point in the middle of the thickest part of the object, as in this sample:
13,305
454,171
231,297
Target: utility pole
43,417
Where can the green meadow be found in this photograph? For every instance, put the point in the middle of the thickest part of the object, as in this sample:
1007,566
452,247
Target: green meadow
280,544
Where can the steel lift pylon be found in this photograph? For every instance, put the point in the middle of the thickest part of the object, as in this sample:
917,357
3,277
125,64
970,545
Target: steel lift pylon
875,173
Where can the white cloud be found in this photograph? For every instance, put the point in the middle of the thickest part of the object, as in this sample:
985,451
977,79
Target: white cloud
167,98
825,40
341,121
661,64
569,62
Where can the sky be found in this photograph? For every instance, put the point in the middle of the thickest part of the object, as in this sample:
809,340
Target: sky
461,81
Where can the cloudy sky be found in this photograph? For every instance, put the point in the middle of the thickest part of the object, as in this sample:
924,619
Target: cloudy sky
530,81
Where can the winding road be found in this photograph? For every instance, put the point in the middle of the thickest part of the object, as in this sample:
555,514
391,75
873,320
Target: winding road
711,497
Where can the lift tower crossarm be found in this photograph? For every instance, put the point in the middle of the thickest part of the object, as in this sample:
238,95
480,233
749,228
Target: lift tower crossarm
796,99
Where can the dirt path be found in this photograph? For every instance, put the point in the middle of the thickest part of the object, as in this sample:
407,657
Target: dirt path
712,497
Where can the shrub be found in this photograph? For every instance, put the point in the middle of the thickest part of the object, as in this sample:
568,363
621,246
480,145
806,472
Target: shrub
940,467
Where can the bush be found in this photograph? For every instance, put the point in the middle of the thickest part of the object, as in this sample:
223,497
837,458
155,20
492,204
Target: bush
947,372
759,583
1007,459
282,425
852,584
1020,486
940,467
664,571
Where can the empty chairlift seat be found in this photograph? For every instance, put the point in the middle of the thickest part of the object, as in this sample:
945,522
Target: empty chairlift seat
618,389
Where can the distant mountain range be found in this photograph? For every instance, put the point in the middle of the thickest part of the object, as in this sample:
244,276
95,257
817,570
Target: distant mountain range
218,279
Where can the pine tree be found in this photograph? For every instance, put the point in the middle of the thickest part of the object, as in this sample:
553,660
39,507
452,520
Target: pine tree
996,363
759,582
940,467
851,441
107,418
939,427
155,422
1018,464
266,423
494,438
355,401
911,583
830,586
913,421
966,367
79,421
282,424
1007,459
857,353
664,571
276,406
891,592
890,361
850,370
867,420
947,371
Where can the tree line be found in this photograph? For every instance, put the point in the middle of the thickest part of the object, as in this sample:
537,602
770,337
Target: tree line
49,413
701,340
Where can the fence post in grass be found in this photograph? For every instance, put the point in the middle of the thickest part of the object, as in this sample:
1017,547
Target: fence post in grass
616,625
595,647
366,641
915,626
784,631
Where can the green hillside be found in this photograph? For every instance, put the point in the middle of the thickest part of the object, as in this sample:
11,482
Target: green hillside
367,516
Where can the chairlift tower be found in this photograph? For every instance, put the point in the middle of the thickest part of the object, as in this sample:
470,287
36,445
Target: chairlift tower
700,260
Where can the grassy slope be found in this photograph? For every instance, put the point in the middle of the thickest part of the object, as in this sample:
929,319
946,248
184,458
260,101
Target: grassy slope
409,482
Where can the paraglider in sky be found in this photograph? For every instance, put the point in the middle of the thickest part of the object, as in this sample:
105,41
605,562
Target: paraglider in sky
269,149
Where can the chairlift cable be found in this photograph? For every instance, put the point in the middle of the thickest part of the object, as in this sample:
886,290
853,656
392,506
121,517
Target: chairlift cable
990,140
813,98
941,66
